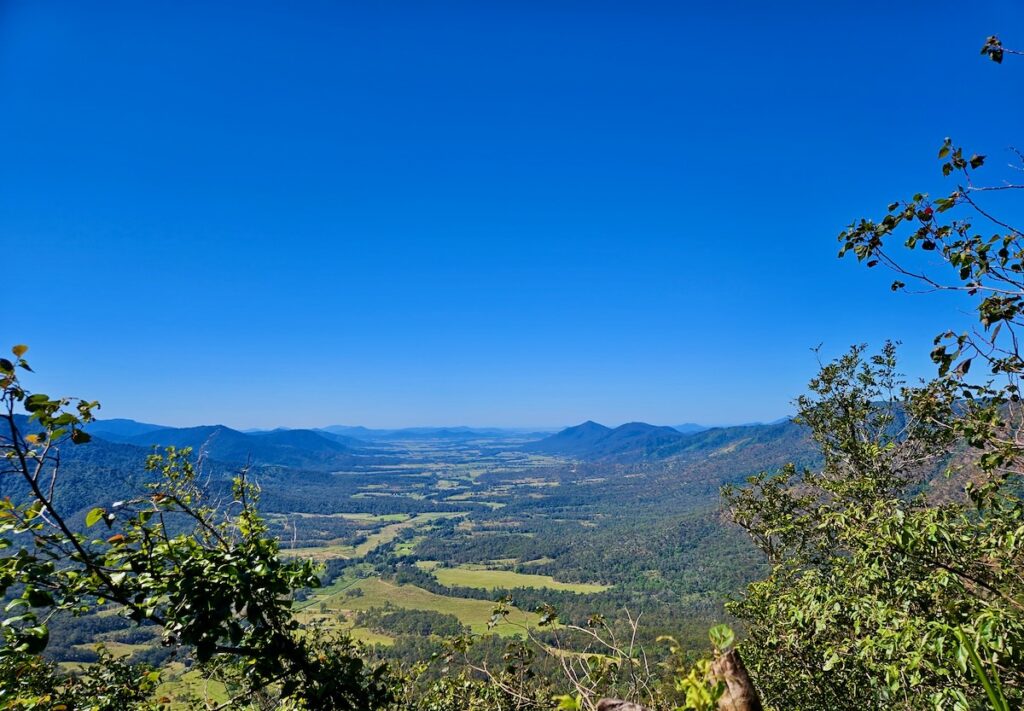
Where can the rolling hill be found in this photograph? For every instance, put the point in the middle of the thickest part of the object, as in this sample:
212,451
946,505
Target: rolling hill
301,449
115,429
637,442
579,441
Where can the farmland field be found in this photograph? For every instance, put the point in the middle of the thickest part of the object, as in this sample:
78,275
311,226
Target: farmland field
492,579
475,614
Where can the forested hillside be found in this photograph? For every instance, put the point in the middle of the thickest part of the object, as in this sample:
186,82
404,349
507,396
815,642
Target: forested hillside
637,442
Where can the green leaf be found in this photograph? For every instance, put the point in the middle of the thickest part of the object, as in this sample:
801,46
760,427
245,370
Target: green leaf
992,690
16,602
35,639
94,516
722,637
80,436
963,367
19,350
34,403
38,598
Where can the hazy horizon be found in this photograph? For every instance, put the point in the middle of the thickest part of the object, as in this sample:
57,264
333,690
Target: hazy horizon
523,428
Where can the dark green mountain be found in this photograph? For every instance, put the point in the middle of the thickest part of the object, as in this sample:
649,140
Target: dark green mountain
310,439
639,442
579,441
117,428
301,449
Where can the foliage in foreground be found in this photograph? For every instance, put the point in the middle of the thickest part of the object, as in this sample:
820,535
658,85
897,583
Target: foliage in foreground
27,681
209,578
879,594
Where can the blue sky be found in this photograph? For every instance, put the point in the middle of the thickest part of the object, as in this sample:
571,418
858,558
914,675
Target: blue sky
522,213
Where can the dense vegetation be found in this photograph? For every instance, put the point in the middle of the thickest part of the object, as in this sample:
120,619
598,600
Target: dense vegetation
881,595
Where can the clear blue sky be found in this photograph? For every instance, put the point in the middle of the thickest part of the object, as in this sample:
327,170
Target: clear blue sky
521,213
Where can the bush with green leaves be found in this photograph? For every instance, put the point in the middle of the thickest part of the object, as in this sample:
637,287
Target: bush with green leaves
885,590
878,596
209,577
28,681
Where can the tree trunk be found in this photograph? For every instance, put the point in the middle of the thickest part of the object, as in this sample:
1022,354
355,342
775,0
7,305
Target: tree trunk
740,694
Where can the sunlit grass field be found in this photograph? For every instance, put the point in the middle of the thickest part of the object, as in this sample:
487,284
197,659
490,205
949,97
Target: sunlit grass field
475,614
473,576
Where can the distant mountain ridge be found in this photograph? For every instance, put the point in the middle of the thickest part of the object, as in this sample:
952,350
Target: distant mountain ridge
572,441
294,465
639,441
337,448
303,449
456,433
120,427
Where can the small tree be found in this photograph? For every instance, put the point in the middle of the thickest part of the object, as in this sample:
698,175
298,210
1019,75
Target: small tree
210,578
878,596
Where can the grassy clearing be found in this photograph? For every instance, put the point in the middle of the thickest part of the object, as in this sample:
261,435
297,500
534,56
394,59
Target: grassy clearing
368,517
470,497
384,535
396,494
118,649
473,613
190,685
408,547
539,561
321,553
360,634
474,577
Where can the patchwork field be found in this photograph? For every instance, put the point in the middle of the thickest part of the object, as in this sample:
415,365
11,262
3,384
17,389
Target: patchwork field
385,535
473,576
188,686
375,592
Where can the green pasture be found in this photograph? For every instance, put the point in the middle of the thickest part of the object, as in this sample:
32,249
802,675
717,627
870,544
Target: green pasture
489,579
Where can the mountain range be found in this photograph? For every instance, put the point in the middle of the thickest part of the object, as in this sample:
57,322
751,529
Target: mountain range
296,468
638,441
340,447
434,433
300,449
